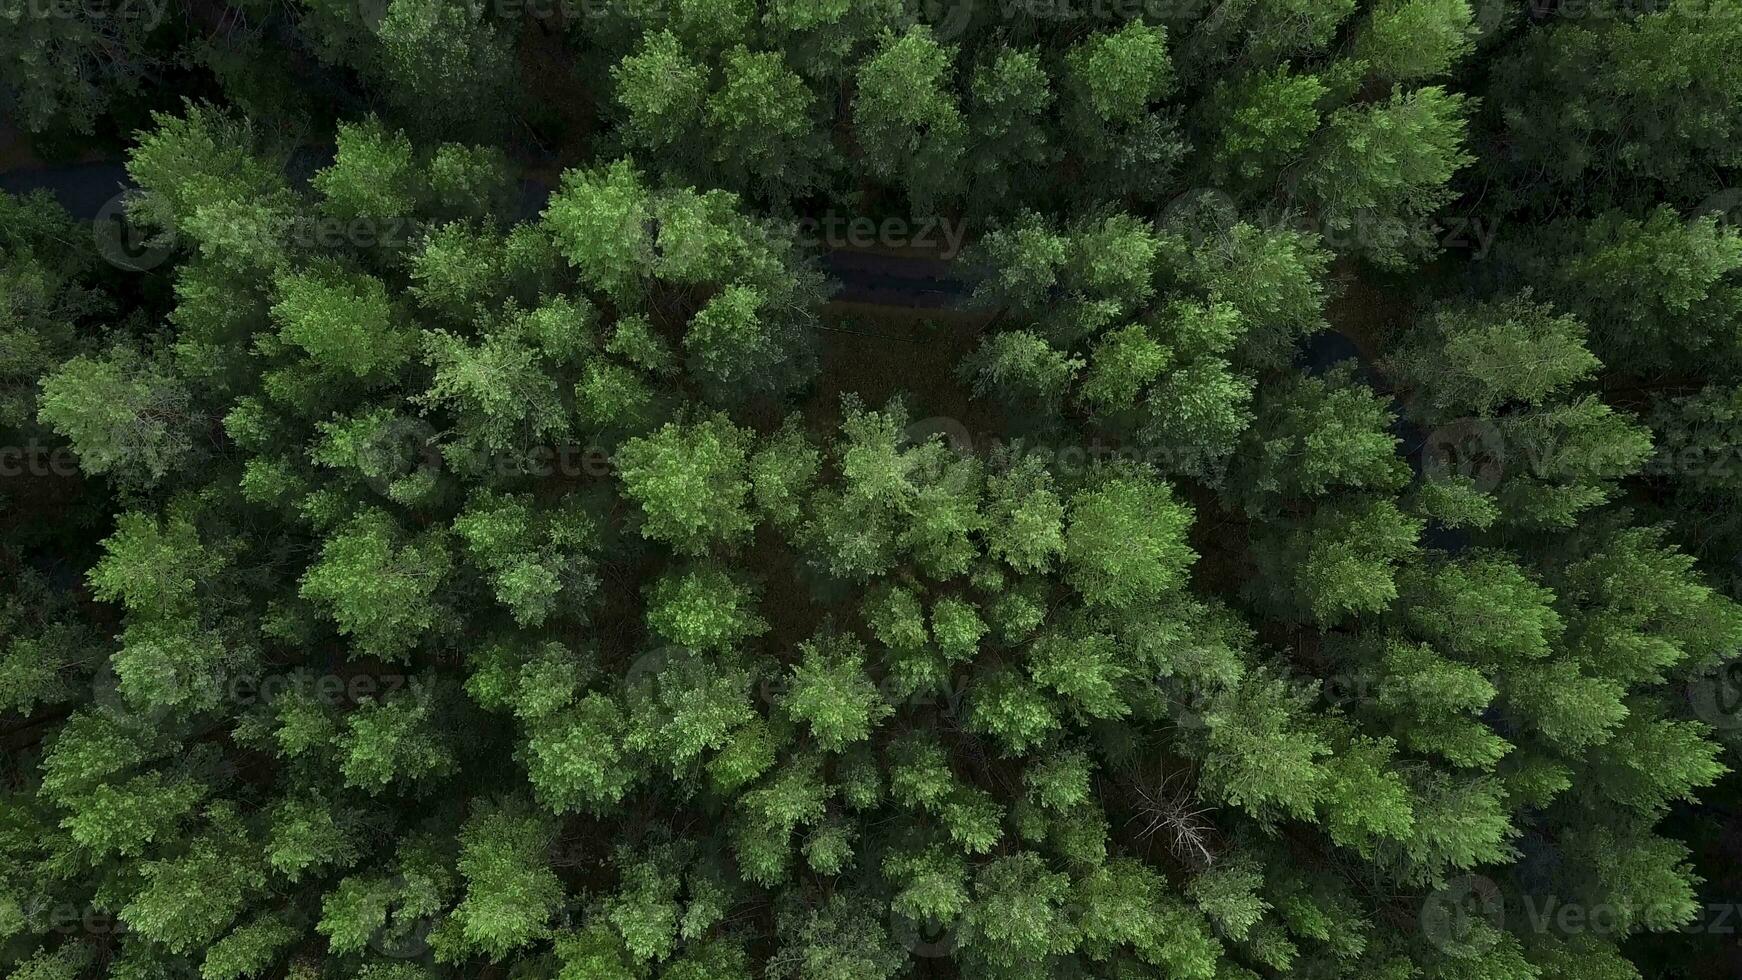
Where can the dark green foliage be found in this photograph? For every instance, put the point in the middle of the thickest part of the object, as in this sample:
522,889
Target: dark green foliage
470,543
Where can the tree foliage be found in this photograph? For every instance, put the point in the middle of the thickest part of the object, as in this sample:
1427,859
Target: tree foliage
475,529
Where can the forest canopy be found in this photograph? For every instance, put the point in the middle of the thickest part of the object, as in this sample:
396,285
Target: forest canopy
862,489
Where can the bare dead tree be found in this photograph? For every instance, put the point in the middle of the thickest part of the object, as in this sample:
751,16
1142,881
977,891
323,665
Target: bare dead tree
1172,810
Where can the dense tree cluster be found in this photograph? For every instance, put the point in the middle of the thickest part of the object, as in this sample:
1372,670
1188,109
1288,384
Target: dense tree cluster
466,535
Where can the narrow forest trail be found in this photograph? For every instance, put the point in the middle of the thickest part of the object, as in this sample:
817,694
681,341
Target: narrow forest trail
894,309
